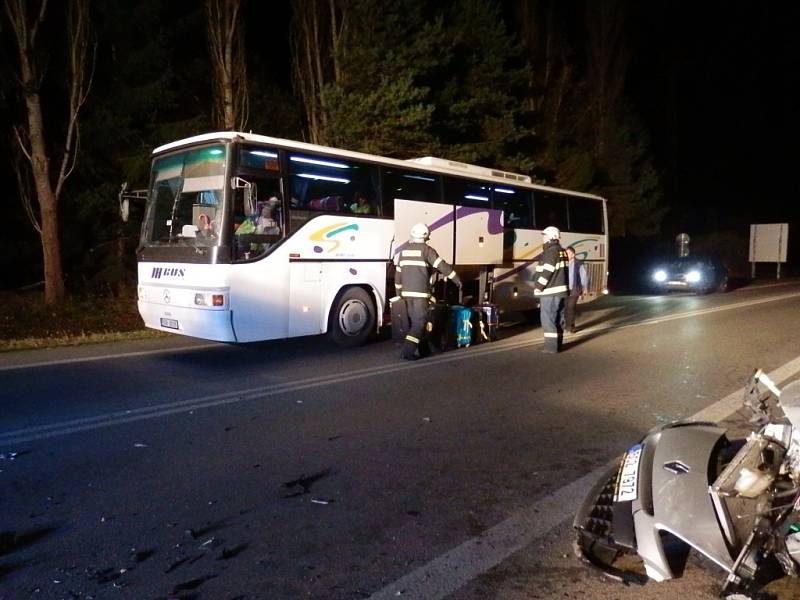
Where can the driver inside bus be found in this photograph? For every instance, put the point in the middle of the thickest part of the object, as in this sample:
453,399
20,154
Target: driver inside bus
205,230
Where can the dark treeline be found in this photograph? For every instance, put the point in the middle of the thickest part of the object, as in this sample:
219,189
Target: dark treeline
603,96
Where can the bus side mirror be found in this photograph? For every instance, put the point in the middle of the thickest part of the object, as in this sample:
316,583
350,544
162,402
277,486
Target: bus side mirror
125,196
124,203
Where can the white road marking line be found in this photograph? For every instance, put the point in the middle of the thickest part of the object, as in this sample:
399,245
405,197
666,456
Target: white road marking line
71,361
454,569
40,432
504,344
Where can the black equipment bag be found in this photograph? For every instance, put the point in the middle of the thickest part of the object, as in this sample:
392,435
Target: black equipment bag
437,326
400,321
484,323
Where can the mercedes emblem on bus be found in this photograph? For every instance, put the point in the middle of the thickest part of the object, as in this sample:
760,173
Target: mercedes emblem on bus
166,297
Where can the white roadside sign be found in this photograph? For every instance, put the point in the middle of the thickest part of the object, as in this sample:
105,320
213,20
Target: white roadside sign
768,243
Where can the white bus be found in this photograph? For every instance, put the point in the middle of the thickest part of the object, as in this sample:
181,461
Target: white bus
249,238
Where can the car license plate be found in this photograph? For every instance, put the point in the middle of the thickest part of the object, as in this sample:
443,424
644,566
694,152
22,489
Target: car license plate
628,479
169,323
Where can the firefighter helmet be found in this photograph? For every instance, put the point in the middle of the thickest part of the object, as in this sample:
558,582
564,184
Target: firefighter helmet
420,232
551,233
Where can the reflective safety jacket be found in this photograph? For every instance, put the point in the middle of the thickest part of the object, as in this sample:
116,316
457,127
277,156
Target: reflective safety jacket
551,272
413,276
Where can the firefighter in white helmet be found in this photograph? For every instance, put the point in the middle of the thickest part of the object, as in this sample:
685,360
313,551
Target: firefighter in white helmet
551,287
412,281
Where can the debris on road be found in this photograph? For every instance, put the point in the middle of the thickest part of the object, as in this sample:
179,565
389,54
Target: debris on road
177,564
139,445
228,553
142,555
211,543
305,483
322,500
11,455
191,585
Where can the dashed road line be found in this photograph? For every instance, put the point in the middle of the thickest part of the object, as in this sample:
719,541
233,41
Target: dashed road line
39,432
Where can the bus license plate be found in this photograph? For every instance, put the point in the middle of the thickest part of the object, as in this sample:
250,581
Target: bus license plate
628,479
169,323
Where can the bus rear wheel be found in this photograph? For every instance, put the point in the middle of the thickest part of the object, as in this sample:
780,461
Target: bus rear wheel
352,318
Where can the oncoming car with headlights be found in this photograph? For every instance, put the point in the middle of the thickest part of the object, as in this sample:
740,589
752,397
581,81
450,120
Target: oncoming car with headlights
702,274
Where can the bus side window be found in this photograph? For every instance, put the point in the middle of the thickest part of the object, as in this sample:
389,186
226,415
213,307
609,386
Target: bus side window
516,206
329,184
463,192
585,215
408,185
550,210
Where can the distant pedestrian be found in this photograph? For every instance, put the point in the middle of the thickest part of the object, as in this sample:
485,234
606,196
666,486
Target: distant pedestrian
578,284
551,288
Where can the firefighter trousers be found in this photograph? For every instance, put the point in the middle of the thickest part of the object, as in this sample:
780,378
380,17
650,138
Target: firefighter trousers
414,344
550,313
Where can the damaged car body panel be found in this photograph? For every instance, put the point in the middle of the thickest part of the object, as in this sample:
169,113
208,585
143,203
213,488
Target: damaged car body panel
680,505
690,485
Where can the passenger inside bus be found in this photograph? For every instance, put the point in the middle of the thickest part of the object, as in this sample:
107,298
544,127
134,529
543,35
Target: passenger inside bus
266,223
361,204
255,234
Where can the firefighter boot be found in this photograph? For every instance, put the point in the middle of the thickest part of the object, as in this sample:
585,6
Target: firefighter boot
409,351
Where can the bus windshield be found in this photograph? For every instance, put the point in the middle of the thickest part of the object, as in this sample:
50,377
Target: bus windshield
186,201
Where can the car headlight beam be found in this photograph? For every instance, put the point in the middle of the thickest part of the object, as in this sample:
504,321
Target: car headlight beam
660,275
693,276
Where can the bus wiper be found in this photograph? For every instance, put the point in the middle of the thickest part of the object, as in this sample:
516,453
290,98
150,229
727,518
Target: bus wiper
175,201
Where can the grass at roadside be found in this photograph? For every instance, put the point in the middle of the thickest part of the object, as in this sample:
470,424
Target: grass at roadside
28,323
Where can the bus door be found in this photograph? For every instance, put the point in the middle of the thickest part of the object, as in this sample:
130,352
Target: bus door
305,298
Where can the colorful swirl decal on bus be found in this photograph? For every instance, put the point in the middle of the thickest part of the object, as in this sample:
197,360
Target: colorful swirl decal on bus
494,225
323,236
532,256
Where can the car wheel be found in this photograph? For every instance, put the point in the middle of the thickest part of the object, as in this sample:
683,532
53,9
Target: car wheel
352,318
723,285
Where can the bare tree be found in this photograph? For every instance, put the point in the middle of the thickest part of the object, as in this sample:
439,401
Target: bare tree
318,31
227,49
608,64
26,18
553,76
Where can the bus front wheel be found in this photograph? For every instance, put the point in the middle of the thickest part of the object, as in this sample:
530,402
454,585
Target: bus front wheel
352,318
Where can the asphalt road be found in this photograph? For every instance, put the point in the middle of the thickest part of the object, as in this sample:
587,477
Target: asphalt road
180,469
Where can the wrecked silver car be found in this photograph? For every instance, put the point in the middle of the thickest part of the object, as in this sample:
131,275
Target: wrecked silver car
695,486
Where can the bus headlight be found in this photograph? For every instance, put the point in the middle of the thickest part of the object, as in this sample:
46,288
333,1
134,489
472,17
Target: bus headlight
693,276
141,293
660,275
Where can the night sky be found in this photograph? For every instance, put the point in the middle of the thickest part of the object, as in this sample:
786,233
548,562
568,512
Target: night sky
717,84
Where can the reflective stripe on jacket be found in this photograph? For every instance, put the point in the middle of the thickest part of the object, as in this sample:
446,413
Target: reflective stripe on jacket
551,271
413,265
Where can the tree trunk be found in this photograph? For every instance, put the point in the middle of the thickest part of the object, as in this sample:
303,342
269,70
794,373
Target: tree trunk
25,17
48,203
608,64
227,53
312,55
